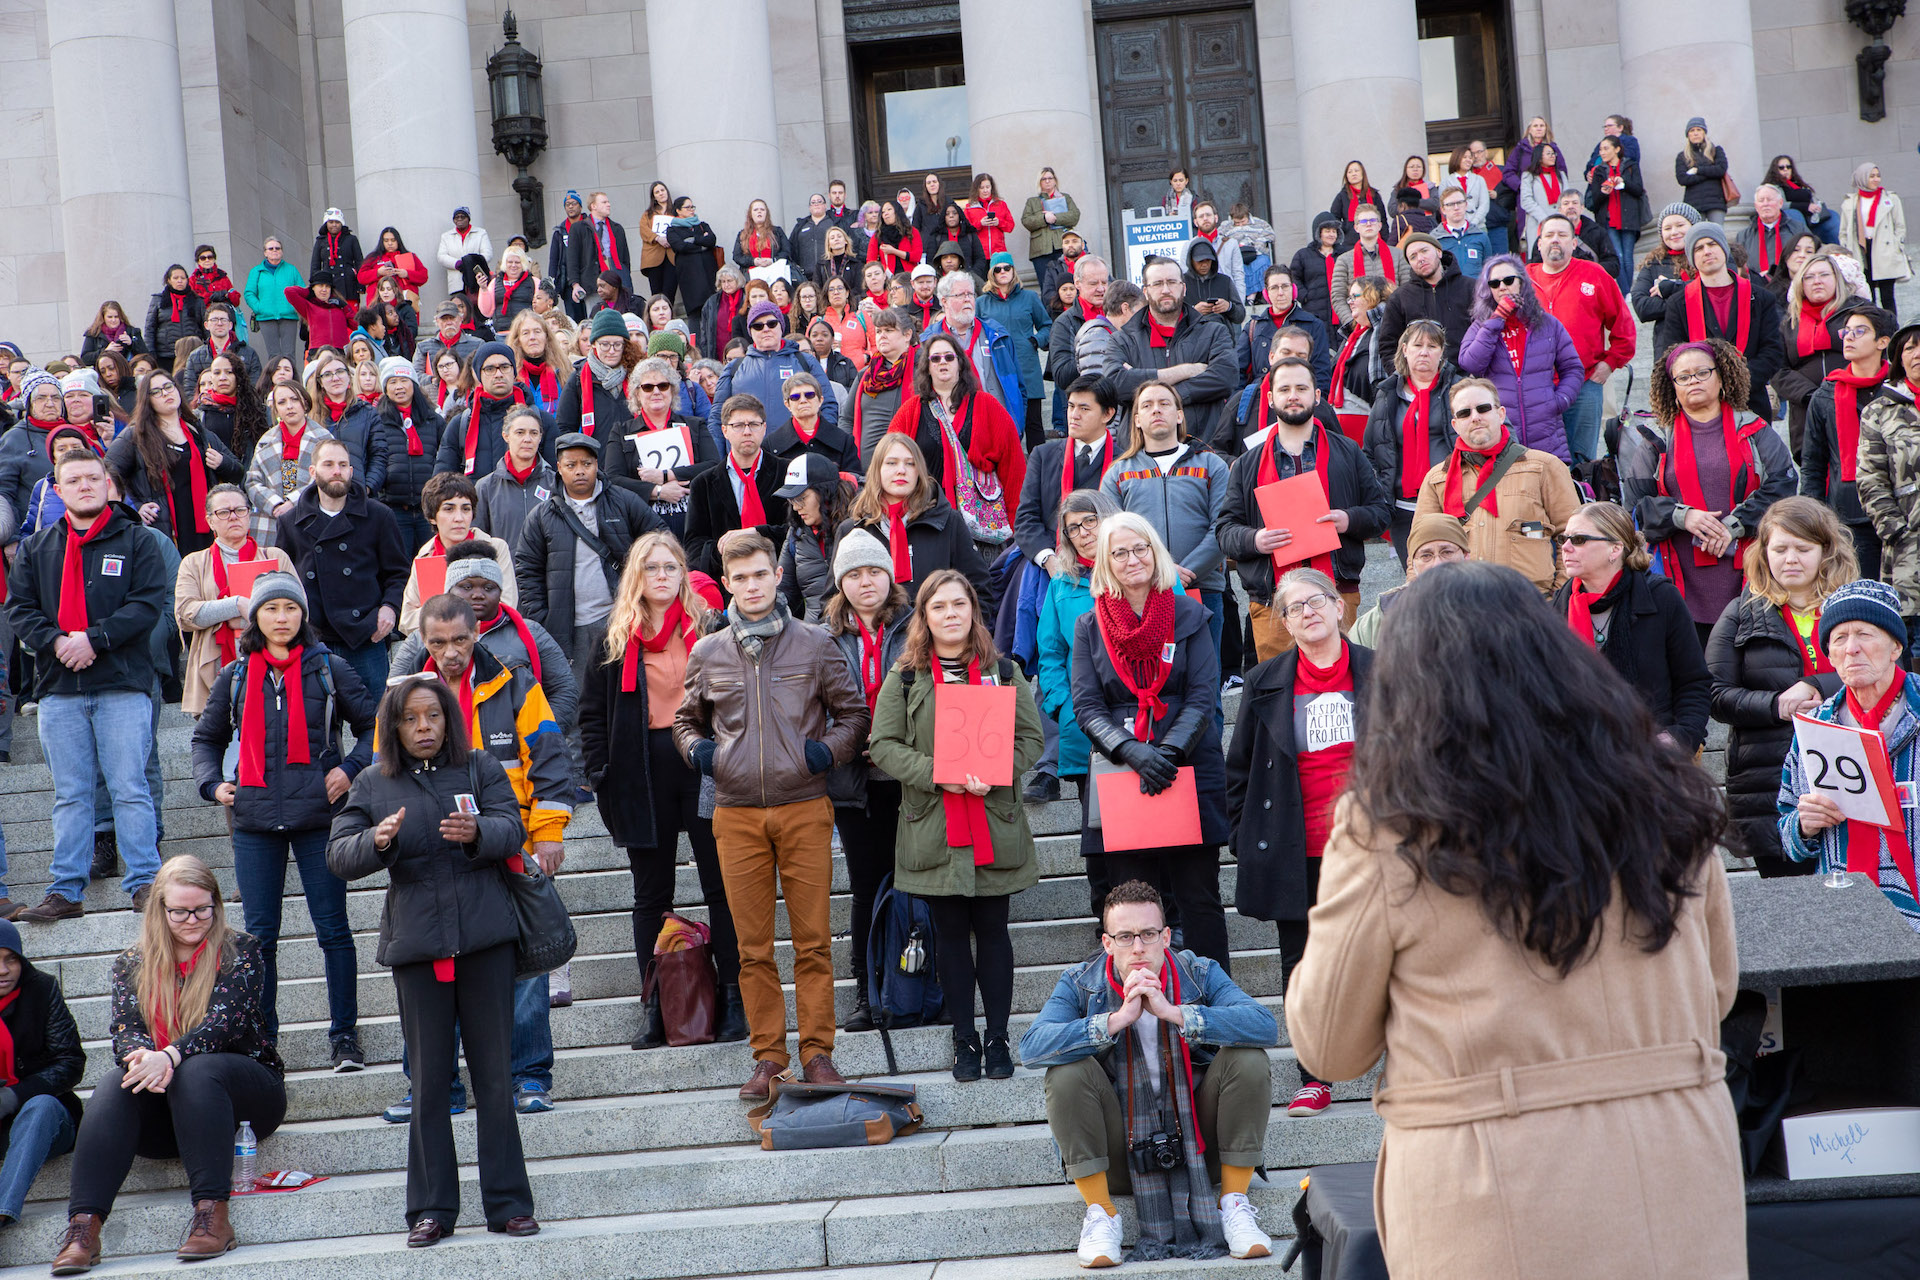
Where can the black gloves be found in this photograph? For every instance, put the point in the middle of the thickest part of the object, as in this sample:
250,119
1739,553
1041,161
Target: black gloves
1156,770
819,756
701,755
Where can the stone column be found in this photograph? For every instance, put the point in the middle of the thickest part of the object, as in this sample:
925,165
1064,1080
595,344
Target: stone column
1684,60
410,100
1029,99
1377,118
715,132
125,212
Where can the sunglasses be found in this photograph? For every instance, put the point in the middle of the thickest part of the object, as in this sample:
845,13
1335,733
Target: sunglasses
204,258
942,357
1471,410
656,386
764,324
1503,282
1582,539
803,395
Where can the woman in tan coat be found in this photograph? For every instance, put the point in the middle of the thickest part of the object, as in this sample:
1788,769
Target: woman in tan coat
1544,958
206,606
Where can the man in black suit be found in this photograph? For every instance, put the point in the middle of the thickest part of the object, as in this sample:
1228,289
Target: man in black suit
597,244
747,479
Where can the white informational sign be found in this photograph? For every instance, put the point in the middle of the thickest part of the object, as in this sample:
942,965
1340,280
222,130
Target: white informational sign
1155,235
661,450
1852,1144
661,221
1850,767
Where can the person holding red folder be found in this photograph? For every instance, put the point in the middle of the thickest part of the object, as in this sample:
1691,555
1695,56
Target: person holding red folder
1286,766
1143,693
211,611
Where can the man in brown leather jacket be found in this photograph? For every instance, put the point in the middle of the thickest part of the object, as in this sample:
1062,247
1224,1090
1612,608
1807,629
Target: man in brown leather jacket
770,708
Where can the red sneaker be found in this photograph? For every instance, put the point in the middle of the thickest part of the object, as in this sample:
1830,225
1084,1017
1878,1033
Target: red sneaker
1310,1101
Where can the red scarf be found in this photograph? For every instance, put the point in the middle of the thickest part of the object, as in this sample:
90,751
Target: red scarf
1140,647
897,543
163,1027
197,477
1695,295
439,548
470,447
1687,473
335,410
1158,336
1769,256
1270,474
1416,440
1847,386
290,438
872,669
1812,661
1453,496
465,690
1869,210
9,1074
674,622
1170,986
1278,316
1380,251
217,399
1896,834
1356,196
1580,604
966,813
1326,263
369,397
1550,183
1338,395
223,634
1813,334
519,476
539,374
1087,310
1513,334
73,578
1069,464
1613,202
606,252
178,301
753,512
253,717
509,614
414,448
806,436
333,248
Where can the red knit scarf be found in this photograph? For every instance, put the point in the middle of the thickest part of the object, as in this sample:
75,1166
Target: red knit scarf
538,378
966,813
1550,183
872,669
290,438
1768,256
218,399
1337,397
1381,251
897,543
606,250
519,476
439,548
223,634
178,303
1513,335
1170,987
465,690
509,614
336,409
674,622
1869,210
1686,472
753,512
73,577
415,448
1695,296
1897,846
1613,198
1580,604
1270,474
1847,386
1159,335
1812,661
1812,334
1140,647
197,477
1453,495
471,446
163,1016
253,717
1416,439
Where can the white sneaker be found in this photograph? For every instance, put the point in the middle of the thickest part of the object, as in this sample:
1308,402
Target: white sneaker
1244,1236
1100,1238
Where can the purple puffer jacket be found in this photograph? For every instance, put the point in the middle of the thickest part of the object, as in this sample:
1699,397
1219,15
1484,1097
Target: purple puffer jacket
1545,389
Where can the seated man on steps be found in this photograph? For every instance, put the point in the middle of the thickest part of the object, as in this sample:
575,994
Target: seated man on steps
1159,1112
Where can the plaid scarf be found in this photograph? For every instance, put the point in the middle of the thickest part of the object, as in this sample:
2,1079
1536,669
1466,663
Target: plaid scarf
1179,1212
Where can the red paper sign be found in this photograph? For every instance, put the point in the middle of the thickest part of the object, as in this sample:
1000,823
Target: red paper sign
1132,820
241,574
1295,504
973,734
431,573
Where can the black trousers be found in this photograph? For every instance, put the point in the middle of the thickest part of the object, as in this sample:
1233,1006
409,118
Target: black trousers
1193,874
972,948
480,1001
193,1120
1866,547
676,808
662,279
1035,426
1293,945
867,836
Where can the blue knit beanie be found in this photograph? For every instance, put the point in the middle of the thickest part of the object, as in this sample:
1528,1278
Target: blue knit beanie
1863,600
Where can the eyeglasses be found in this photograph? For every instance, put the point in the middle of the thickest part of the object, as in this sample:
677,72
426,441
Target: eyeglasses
1461,415
764,324
1077,527
180,915
1366,222
656,386
1503,282
1317,602
800,396
1127,941
337,371
496,367
1140,551
1851,332
1688,379
661,568
1582,539
226,513
748,422
941,357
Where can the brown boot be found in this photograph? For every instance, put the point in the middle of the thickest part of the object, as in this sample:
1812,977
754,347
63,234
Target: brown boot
80,1247
209,1234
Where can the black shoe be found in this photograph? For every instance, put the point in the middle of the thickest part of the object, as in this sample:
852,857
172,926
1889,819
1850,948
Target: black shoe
106,856
730,1015
347,1055
999,1059
966,1057
861,1019
582,797
652,1033
1044,787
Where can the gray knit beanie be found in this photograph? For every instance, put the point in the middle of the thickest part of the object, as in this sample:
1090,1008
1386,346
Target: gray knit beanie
1680,207
858,550
277,585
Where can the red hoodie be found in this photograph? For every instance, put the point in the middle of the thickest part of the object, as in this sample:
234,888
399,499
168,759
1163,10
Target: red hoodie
1586,299
328,323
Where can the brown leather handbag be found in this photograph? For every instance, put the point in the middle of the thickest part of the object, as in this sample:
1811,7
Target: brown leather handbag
682,982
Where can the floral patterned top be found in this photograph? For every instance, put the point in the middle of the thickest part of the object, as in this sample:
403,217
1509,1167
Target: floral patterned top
236,1020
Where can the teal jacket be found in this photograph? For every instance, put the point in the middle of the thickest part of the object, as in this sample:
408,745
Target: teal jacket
265,294
1025,318
1067,598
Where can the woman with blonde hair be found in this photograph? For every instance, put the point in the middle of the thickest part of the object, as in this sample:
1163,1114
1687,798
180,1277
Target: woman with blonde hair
366,382
510,291
648,795
1810,335
901,504
536,370
1146,675
190,1035
1767,665
977,851
1637,619
336,406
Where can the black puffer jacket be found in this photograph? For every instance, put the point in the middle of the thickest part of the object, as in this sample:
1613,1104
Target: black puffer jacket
937,538
442,899
1754,659
1447,302
48,1057
1353,488
163,330
295,795
406,474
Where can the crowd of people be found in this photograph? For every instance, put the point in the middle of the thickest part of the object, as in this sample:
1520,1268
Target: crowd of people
704,555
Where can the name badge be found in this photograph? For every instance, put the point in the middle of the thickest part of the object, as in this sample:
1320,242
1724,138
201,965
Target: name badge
540,493
1909,793
110,566
1166,653
465,803
469,467
785,373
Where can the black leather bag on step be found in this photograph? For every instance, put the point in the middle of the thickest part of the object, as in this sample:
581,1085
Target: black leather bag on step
547,939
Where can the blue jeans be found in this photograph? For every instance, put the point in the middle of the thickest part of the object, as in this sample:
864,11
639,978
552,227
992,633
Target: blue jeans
41,1130
369,662
1826,226
112,732
532,1037
1216,602
103,799
1623,243
1582,422
260,871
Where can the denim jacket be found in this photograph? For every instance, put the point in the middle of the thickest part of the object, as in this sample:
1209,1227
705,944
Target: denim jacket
1073,1024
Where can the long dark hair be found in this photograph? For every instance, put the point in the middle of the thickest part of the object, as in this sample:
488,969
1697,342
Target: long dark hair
249,415
380,241
149,441
387,745
1472,784
1527,306
969,381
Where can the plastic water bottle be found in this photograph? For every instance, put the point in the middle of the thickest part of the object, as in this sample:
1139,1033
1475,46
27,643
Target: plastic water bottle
246,1152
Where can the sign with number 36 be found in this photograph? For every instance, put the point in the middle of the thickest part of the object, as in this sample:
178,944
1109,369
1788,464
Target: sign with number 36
1850,767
